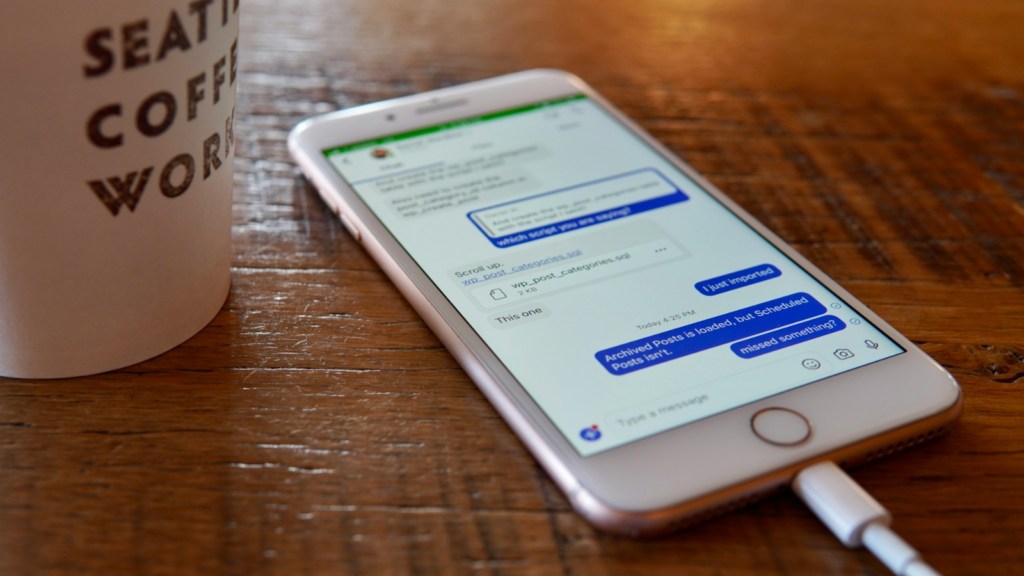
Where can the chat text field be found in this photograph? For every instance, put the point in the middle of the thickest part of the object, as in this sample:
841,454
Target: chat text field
713,395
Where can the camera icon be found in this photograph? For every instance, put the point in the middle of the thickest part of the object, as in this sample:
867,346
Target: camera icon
843,354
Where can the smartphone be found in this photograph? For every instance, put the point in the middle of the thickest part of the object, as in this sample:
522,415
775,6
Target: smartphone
661,353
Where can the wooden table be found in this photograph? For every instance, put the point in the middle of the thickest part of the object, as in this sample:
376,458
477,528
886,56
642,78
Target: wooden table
318,427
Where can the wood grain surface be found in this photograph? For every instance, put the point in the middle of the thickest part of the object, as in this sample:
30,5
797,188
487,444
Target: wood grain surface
316,426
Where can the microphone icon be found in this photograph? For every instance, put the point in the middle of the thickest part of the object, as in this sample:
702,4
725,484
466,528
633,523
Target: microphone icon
871,344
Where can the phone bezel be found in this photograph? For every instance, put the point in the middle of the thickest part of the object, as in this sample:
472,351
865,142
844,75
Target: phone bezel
639,483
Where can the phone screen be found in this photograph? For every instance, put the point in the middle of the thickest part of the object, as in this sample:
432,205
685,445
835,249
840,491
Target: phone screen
624,298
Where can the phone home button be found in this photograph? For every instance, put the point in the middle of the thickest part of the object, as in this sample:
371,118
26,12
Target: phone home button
781,426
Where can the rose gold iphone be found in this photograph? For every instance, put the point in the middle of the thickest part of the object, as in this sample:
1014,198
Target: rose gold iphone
660,352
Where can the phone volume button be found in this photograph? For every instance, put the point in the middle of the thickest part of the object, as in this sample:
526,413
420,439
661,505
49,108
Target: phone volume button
350,226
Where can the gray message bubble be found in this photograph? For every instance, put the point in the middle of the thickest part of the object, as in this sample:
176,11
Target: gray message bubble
517,316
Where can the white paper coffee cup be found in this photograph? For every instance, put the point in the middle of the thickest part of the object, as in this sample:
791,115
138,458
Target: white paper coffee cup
116,153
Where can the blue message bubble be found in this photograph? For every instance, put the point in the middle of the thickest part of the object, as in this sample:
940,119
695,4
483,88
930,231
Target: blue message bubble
562,206
709,333
788,336
738,279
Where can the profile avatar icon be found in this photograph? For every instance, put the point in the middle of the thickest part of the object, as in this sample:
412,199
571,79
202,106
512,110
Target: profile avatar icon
381,153
590,434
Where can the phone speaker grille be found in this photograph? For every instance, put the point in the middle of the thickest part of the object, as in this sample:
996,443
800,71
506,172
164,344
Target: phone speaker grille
721,509
903,445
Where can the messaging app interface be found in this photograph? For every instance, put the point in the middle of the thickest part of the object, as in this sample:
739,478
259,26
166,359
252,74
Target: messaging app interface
622,296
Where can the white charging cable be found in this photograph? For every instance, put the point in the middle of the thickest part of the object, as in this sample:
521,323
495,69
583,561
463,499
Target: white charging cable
856,518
